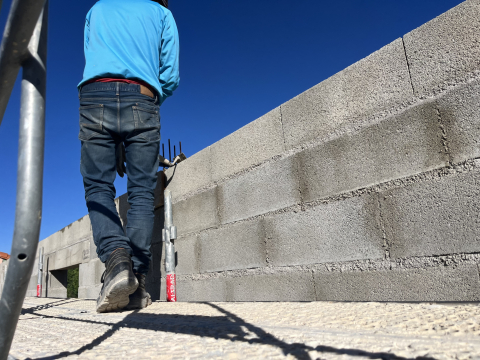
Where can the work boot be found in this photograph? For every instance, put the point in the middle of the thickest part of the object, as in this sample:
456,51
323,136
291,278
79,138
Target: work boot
118,282
141,298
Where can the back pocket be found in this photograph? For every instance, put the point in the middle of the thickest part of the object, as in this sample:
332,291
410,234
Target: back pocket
147,123
91,121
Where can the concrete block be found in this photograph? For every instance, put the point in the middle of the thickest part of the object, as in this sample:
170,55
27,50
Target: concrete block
431,284
32,285
59,293
86,255
51,243
35,267
93,249
191,174
460,114
72,255
446,50
267,188
187,255
78,230
86,274
214,289
340,231
288,286
99,270
61,259
196,213
435,217
371,86
89,292
90,274
50,262
236,246
397,147
258,141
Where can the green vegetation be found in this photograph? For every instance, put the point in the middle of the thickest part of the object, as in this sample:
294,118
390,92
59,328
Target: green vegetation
72,283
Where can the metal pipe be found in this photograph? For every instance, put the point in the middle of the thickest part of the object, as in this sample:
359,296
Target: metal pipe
21,22
40,272
169,151
168,209
29,184
169,233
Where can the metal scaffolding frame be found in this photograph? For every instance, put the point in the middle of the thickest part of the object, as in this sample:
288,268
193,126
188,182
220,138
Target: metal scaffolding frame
24,44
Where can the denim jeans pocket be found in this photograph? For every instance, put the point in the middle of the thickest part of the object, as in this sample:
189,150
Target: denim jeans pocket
91,121
147,123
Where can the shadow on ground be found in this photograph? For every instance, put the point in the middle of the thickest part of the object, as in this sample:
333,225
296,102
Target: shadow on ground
228,327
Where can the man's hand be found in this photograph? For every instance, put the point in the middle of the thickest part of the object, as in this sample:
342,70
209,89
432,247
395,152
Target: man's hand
120,159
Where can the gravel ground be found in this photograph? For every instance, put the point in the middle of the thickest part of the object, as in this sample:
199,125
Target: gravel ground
70,328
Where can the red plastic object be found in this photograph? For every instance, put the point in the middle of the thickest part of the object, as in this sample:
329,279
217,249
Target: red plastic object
39,290
171,288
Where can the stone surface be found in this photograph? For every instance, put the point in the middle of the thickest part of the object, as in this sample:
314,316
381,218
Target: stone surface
453,283
258,141
236,246
191,174
371,86
397,147
460,114
440,216
316,330
446,50
340,231
267,188
196,213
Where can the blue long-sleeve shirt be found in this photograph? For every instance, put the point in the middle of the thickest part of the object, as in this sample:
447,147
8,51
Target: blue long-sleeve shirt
132,39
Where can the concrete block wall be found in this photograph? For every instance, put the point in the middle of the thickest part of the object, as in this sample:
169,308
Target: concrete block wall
362,188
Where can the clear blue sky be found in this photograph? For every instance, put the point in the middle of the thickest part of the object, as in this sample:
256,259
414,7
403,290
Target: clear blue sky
239,60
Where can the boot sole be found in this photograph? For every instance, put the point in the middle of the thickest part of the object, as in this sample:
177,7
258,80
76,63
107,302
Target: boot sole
116,296
144,302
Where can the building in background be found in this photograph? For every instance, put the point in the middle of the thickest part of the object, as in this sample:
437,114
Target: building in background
4,256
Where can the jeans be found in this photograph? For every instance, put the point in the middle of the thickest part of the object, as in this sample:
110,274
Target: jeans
112,113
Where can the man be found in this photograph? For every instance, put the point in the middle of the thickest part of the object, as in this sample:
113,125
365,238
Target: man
131,66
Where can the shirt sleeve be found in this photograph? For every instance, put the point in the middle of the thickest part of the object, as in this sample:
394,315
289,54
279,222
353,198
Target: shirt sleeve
169,75
86,32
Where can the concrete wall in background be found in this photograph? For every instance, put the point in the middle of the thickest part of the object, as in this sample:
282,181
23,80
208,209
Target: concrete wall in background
365,187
